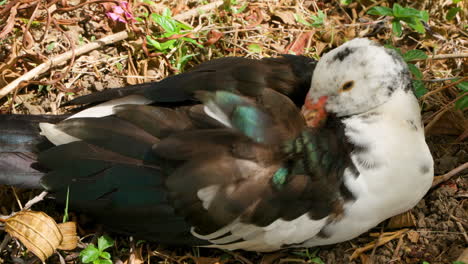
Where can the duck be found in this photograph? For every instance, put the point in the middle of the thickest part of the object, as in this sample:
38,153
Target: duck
199,161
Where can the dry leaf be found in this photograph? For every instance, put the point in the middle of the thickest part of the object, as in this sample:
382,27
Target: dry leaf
464,256
413,236
287,17
37,231
300,43
70,239
405,219
135,257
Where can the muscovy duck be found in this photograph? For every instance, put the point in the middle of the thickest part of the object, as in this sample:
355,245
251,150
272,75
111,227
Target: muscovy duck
244,170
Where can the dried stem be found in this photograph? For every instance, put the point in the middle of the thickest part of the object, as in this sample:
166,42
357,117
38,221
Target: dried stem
440,179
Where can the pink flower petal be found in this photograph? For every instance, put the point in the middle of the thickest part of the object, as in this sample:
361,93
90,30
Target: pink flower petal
118,10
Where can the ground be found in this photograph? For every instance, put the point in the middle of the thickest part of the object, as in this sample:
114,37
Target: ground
157,46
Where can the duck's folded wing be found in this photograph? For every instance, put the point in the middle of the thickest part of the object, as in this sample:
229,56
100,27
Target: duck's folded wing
289,75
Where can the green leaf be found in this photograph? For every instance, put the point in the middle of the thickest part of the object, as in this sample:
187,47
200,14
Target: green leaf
154,43
105,255
424,15
456,1
419,88
302,20
388,46
65,215
452,13
241,9
255,48
414,55
318,19
463,86
462,103
380,11
193,42
89,254
415,24
51,46
167,23
399,11
346,2
317,260
105,242
415,71
167,12
102,261
396,27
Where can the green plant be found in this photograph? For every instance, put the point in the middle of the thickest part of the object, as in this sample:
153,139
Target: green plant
462,103
452,12
175,35
317,20
255,48
412,17
229,5
98,255
311,256
411,55
346,2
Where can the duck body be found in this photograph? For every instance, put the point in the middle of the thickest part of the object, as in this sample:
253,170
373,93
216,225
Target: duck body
242,170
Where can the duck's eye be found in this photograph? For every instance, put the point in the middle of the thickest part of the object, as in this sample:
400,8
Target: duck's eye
347,86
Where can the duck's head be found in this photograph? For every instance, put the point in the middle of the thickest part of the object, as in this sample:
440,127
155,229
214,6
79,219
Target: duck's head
355,78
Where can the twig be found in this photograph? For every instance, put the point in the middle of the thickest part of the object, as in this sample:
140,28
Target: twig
35,200
17,198
444,87
196,11
386,238
372,256
440,179
397,249
444,57
5,241
437,115
441,79
42,68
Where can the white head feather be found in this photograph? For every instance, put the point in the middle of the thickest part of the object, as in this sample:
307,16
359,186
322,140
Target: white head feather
358,76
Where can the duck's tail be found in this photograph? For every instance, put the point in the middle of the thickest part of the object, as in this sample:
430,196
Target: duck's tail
20,141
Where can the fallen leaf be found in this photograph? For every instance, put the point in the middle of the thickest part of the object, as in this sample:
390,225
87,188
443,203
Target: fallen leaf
413,236
37,231
287,17
70,239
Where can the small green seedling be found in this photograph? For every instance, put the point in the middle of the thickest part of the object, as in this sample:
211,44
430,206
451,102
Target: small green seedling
317,20
453,10
412,17
98,255
255,48
462,103
175,38
229,5
311,256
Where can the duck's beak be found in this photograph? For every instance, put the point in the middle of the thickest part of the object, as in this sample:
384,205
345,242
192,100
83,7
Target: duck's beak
314,113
